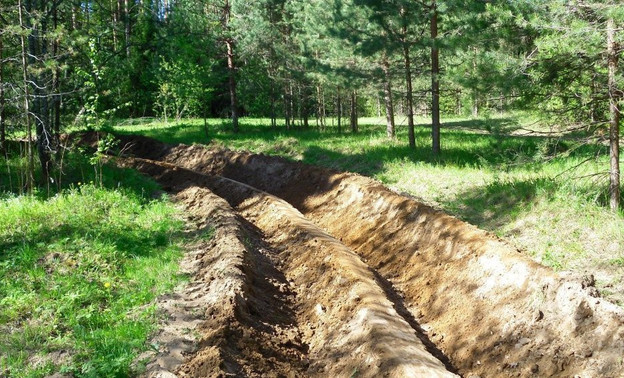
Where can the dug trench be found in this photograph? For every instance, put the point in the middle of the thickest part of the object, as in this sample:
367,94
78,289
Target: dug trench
383,285
292,300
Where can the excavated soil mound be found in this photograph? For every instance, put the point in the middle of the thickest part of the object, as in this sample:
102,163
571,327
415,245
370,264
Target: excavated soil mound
294,300
489,310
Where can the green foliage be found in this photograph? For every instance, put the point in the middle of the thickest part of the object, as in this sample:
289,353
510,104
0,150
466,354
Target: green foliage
79,273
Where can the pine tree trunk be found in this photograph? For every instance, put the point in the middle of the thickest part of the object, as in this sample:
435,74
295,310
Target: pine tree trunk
38,48
390,127
127,27
114,22
475,104
286,108
304,107
614,119
408,81
232,85
475,93
593,106
409,97
319,105
323,110
339,110
3,149
435,83
56,84
273,112
29,150
74,18
291,104
354,115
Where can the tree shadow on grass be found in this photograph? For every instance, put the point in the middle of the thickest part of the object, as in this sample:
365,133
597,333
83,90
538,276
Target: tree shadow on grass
499,203
490,206
473,142
504,125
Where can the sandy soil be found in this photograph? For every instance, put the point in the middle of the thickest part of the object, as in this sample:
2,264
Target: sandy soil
367,282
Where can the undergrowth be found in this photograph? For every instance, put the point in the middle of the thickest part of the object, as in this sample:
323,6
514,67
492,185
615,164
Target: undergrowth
79,273
547,195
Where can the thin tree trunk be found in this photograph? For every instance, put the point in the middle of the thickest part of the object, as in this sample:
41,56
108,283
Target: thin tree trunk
390,126
74,18
29,149
232,84
127,27
88,13
339,111
593,108
2,101
354,115
614,119
304,107
475,104
114,22
435,82
320,95
286,108
229,44
408,81
38,43
56,83
323,110
273,115
475,93
291,104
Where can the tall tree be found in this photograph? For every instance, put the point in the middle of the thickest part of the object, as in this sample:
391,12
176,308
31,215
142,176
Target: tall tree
435,81
2,99
572,56
229,44
24,59
614,116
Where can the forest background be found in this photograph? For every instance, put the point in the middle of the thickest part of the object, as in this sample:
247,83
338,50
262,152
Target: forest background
503,113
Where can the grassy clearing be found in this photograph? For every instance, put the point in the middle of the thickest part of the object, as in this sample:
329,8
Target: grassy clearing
527,189
79,272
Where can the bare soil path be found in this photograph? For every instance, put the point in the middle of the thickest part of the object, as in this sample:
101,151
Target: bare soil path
339,276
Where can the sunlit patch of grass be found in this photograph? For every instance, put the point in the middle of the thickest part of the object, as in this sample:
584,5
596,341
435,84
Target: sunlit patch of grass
79,273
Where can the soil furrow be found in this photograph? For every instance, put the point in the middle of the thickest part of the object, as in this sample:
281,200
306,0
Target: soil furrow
491,309
237,304
349,324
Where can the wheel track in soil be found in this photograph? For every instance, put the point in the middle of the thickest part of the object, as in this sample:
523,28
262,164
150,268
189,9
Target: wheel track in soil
346,323
493,311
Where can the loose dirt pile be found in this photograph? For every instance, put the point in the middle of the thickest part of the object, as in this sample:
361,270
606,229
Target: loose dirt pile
380,284
232,318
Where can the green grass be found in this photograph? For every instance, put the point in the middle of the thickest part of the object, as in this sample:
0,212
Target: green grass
79,273
527,189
